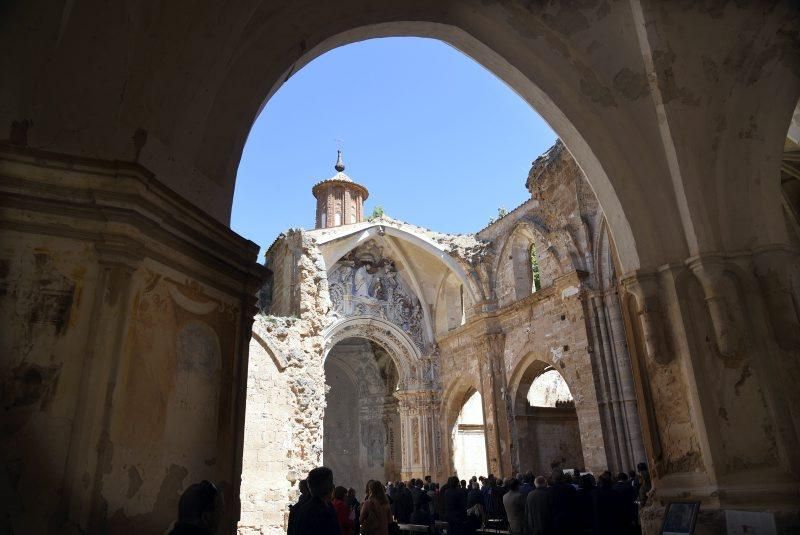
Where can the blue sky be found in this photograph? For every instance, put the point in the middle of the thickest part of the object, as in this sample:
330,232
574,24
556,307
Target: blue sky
437,140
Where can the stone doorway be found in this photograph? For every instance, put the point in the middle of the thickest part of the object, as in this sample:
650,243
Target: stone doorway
361,427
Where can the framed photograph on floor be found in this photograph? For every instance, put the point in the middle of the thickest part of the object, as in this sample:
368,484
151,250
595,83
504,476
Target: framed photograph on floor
680,518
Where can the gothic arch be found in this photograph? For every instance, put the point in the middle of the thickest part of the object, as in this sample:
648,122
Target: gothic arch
341,244
456,394
527,229
405,354
525,372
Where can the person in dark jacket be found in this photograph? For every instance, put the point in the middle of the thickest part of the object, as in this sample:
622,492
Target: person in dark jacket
317,516
403,503
474,495
584,504
563,503
355,507
527,484
455,507
199,510
416,492
627,496
305,495
609,514
538,508
498,508
422,515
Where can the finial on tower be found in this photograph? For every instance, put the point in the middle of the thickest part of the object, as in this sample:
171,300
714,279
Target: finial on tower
339,163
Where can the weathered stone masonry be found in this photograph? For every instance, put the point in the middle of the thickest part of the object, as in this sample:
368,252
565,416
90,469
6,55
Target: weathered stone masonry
385,280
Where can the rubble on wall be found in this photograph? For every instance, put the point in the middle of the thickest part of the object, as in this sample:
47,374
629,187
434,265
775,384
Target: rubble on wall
298,342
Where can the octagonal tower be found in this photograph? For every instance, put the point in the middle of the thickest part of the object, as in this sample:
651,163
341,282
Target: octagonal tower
340,201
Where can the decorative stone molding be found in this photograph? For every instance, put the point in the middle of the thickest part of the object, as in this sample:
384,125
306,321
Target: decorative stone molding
421,440
645,289
366,283
711,272
775,269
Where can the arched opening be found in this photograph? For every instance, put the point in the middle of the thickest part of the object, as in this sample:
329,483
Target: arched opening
547,423
361,426
469,438
536,283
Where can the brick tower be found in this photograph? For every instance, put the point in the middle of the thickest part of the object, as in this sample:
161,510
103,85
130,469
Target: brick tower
340,201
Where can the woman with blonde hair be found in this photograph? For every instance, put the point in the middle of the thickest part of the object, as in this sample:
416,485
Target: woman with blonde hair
375,513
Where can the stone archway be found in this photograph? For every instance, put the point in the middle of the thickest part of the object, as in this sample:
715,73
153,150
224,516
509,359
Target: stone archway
678,127
405,354
584,408
547,430
362,423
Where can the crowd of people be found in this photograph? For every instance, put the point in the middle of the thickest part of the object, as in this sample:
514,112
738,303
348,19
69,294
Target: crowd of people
566,502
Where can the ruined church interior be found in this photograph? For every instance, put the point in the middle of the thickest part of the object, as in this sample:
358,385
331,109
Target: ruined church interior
642,305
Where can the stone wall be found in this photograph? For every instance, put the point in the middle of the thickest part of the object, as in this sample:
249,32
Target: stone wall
125,316
266,484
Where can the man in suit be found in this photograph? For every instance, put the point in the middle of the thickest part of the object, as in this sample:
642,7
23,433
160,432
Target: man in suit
538,508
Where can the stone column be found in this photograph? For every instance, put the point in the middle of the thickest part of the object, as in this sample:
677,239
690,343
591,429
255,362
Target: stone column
608,388
715,384
421,441
494,396
626,389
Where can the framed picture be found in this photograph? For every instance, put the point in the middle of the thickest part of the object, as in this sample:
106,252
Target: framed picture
680,518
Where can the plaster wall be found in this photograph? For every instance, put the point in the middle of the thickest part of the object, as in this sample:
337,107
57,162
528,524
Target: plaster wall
125,330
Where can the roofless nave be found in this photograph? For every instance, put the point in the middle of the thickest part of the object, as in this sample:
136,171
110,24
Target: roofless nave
127,301
405,324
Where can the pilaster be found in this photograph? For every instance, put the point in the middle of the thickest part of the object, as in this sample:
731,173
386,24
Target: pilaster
421,441
496,411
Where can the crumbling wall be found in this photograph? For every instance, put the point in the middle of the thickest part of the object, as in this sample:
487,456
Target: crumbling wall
268,440
298,380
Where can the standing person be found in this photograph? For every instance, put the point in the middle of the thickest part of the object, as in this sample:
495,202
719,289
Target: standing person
497,500
486,492
527,483
455,507
355,509
317,516
392,493
627,496
563,503
514,505
608,508
476,516
430,489
644,484
403,503
342,510
416,492
375,514
538,514
583,500
422,515
199,510
305,495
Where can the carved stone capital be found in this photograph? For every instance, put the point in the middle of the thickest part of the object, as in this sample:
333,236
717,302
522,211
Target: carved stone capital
645,288
710,271
492,344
